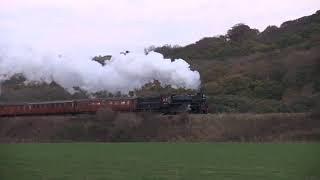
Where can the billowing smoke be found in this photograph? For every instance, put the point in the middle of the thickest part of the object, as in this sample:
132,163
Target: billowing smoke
122,73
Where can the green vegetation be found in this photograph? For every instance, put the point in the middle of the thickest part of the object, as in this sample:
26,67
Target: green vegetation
277,70
159,161
242,40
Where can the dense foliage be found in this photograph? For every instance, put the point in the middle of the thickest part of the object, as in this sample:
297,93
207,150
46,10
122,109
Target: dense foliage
242,40
277,70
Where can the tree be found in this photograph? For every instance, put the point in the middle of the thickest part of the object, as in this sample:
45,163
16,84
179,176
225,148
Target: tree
241,32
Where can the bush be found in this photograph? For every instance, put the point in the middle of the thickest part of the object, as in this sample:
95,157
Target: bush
105,114
303,104
74,131
125,126
316,85
235,85
268,90
316,113
229,103
268,106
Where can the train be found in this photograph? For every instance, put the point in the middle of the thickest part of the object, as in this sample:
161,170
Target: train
170,104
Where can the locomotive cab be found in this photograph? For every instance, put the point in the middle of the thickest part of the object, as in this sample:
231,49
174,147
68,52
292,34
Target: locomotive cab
185,103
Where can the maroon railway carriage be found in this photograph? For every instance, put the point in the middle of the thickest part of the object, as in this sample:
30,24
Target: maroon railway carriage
67,107
92,106
165,104
41,108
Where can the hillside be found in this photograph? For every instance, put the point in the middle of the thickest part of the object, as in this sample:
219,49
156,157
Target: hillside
277,70
242,40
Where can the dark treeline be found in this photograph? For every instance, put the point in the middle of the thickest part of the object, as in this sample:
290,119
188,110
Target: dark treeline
242,40
277,70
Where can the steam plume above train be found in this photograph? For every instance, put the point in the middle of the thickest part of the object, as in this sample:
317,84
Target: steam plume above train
122,73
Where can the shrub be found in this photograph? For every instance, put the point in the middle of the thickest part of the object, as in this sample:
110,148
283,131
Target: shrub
303,104
316,112
74,131
124,126
316,85
105,114
235,85
268,106
268,89
229,103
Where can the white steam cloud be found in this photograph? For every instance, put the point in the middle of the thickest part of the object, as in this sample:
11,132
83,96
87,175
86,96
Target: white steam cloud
122,73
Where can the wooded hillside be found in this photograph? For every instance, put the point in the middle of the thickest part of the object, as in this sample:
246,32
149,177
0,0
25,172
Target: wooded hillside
277,70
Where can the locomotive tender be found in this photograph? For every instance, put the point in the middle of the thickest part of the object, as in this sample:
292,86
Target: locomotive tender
164,104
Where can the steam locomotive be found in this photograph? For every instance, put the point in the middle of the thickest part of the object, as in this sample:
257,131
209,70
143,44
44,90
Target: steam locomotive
163,104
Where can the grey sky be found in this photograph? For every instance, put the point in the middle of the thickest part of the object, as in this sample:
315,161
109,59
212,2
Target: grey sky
101,26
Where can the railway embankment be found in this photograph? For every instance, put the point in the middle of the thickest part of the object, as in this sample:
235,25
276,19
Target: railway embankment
107,126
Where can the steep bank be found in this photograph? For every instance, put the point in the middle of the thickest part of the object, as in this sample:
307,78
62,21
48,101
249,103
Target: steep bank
112,127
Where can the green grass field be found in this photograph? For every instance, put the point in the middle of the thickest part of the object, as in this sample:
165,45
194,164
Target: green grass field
133,161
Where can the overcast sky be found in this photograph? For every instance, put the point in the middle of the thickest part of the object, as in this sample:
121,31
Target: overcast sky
103,26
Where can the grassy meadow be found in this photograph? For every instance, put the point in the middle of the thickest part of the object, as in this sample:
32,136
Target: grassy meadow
122,161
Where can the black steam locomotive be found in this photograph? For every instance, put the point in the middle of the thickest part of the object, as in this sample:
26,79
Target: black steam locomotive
174,104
